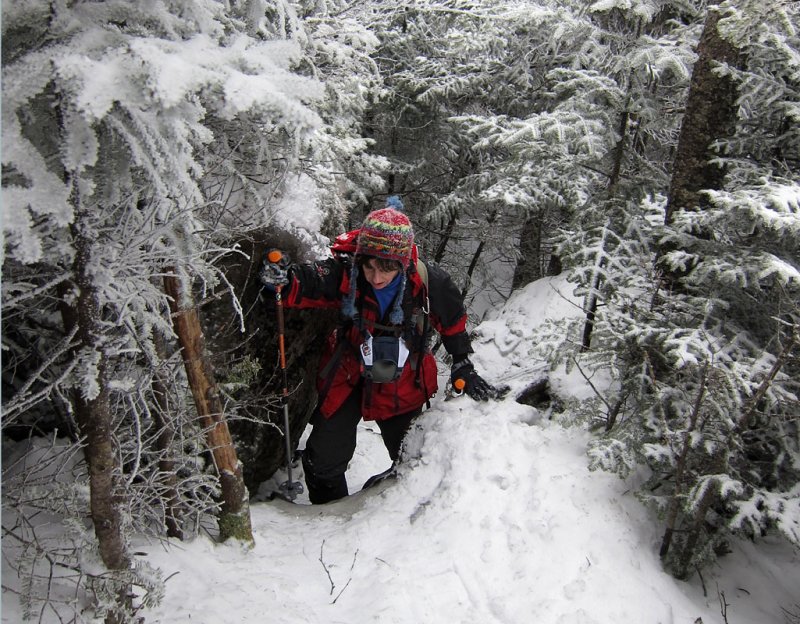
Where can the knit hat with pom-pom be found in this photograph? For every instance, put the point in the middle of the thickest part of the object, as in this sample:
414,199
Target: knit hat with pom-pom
387,234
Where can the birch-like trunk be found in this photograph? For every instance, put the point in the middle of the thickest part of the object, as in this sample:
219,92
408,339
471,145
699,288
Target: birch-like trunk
234,518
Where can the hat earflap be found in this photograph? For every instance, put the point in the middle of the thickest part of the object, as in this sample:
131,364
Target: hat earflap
349,302
396,316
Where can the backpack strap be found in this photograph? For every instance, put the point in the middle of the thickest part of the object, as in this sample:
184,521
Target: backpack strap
423,326
421,320
423,273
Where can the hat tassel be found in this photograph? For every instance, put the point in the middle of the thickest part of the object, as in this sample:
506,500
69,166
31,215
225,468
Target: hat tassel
349,302
396,316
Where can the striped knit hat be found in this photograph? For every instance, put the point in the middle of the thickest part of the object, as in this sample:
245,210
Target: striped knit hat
385,233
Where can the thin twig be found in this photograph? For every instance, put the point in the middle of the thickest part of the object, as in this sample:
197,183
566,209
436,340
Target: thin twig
591,385
341,592
723,605
324,567
352,565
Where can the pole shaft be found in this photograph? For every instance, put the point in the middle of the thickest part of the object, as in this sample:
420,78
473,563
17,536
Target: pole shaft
282,350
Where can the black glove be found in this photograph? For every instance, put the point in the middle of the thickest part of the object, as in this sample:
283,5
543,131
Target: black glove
274,270
474,385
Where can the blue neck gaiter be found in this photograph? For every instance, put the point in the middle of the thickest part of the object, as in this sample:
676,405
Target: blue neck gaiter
386,295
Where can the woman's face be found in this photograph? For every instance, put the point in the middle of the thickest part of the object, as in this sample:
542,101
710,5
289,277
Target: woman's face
378,274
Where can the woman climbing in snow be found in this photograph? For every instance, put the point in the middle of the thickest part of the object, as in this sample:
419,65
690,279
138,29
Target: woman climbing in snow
377,364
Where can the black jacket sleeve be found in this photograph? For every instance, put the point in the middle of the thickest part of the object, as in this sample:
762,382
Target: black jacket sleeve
447,313
315,285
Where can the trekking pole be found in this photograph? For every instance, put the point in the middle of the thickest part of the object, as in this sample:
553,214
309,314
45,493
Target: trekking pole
289,488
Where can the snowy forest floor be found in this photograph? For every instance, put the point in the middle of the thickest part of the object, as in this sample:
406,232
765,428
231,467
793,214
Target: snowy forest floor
494,517
499,520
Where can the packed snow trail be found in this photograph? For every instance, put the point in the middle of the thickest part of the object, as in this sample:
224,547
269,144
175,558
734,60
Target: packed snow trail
497,520
494,518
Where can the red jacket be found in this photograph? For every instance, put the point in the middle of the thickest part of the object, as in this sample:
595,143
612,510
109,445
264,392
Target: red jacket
323,284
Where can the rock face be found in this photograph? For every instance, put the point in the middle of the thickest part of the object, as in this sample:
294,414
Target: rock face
247,364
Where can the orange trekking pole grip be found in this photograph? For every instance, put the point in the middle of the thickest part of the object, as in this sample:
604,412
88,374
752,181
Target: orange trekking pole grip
275,257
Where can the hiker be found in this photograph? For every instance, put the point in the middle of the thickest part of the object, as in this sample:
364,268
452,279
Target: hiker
377,364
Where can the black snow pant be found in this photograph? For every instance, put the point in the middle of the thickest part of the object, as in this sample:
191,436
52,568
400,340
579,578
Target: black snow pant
332,443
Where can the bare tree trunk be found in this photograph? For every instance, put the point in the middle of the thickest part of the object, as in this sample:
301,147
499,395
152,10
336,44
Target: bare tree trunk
473,263
684,560
448,232
590,307
593,298
619,151
710,116
93,410
234,518
476,256
613,413
528,268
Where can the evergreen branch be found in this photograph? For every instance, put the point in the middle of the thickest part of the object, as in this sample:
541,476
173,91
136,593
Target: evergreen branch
782,358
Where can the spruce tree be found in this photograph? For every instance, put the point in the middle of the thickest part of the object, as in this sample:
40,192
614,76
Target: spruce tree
139,138
701,341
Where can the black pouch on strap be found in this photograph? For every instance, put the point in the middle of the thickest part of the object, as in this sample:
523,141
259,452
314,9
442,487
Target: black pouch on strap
383,357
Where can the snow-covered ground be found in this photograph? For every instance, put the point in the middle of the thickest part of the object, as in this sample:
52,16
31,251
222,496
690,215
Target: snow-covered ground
498,520
494,517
